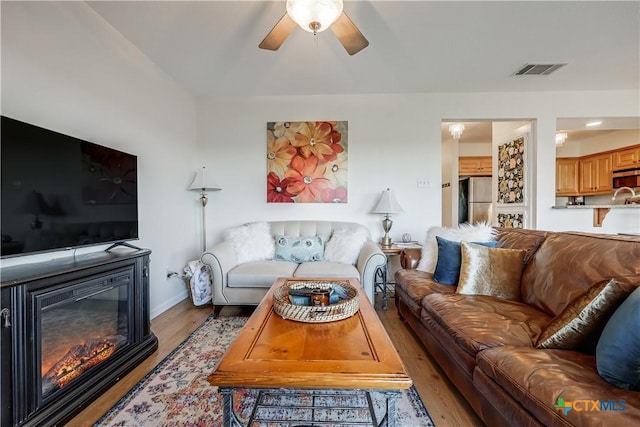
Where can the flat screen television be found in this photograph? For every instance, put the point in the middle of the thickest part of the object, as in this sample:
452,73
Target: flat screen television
60,192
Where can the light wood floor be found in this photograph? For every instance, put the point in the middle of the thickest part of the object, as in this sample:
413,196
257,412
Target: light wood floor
445,405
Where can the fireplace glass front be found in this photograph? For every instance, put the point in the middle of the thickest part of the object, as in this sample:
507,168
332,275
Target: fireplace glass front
82,326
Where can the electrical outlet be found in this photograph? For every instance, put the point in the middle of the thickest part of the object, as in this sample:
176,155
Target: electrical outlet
170,273
423,183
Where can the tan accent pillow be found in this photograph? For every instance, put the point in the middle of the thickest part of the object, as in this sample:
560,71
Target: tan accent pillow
582,316
490,271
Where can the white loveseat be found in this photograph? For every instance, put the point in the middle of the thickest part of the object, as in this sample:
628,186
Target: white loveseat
246,283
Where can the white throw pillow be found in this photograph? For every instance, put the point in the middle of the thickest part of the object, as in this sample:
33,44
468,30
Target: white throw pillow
479,232
251,242
345,244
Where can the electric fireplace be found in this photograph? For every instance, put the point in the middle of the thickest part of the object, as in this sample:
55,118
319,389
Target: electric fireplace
75,327
80,326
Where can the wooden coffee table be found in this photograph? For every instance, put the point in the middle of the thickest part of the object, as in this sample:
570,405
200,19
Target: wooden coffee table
273,353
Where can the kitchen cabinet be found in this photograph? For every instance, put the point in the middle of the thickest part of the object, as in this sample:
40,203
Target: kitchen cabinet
595,174
567,176
475,166
626,158
592,174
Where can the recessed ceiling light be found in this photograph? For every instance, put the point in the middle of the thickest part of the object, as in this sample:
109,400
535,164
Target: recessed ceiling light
596,123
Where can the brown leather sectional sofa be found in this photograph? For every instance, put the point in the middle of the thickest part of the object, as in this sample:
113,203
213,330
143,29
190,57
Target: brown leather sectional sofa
486,345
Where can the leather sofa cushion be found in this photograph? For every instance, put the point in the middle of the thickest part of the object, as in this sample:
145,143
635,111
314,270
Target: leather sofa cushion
538,378
478,322
416,284
455,360
499,408
549,285
259,274
326,269
514,238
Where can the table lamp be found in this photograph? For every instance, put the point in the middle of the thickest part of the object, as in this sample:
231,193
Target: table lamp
387,205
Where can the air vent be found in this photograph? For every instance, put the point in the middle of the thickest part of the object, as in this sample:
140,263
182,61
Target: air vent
538,69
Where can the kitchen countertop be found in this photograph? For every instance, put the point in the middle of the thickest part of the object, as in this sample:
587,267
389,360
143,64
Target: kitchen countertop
631,206
599,211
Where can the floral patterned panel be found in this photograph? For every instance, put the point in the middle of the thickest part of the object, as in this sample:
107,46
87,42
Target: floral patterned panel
511,171
307,162
513,220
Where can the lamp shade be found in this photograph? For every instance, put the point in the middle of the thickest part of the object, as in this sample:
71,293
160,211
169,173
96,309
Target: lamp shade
314,16
203,182
387,204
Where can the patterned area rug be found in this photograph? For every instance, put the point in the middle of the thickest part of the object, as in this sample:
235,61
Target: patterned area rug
176,392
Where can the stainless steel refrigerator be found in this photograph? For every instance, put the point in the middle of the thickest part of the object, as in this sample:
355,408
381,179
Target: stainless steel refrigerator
474,200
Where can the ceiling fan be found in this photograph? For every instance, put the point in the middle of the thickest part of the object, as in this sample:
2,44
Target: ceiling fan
316,16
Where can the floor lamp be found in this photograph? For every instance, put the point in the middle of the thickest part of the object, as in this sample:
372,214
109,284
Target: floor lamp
203,183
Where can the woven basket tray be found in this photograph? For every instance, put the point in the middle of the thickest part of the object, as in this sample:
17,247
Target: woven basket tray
315,314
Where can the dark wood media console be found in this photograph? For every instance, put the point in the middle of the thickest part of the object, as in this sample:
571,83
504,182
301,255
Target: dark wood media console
70,329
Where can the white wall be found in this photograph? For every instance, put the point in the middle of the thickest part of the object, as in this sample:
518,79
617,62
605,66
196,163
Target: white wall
64,69
450,172
587,143
393,140
388,146
474,149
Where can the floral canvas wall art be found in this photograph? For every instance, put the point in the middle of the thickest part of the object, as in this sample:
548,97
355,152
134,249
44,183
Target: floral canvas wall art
511,220
307,162
511,171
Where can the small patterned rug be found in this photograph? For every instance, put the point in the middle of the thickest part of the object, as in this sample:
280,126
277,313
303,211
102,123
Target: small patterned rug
176,392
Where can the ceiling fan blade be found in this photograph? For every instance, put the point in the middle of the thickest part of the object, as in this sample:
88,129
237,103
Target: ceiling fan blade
278,33
349,35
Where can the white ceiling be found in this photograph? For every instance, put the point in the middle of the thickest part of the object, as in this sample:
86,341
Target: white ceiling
211,47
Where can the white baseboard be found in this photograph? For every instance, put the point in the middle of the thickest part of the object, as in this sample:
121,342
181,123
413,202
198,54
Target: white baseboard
156,311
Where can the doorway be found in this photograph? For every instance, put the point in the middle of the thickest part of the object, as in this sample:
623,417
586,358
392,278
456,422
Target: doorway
472,155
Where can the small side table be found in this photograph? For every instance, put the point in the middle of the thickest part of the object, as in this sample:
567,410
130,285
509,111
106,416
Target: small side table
381,282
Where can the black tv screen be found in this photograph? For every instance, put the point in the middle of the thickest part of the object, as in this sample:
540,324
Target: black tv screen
61,192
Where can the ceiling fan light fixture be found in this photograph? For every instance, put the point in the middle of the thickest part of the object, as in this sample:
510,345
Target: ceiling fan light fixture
314,16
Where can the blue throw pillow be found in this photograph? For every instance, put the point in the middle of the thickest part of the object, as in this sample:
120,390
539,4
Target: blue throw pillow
618,351
299,249
449,259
